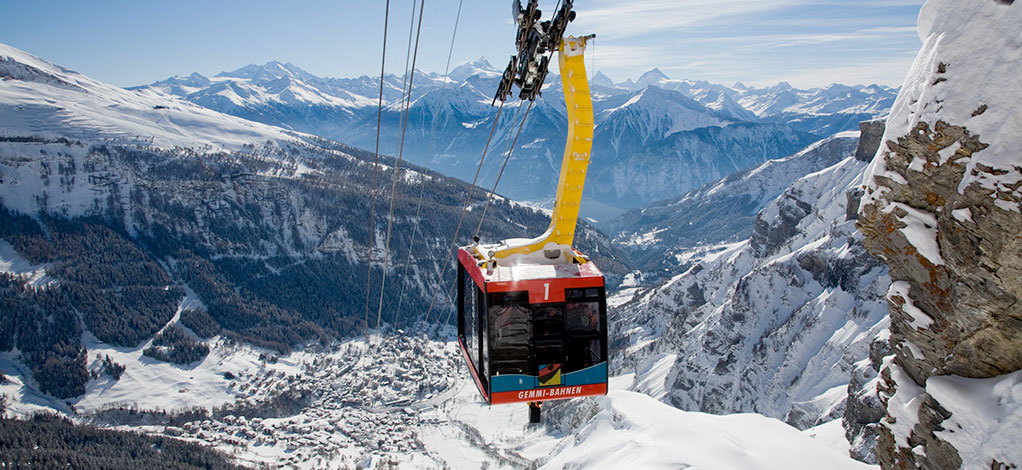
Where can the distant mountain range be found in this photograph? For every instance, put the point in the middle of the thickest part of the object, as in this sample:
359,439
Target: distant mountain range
656,137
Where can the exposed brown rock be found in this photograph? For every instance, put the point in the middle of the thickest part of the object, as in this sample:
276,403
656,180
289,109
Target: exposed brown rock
971,293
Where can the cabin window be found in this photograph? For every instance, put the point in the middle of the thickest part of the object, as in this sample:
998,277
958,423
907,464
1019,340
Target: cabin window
505,334
585,318
548,338
468,325
511,333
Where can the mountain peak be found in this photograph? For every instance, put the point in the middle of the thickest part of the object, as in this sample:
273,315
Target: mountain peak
271,70
651,77
602,80
482,63
782,86
468,69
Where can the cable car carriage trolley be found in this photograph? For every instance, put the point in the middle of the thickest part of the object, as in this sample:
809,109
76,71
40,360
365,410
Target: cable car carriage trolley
532,313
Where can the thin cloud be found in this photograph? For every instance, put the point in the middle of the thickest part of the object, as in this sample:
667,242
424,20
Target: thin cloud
755,40
642,17
619,56
881,34
890,71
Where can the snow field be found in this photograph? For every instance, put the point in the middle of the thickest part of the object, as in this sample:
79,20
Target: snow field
633,430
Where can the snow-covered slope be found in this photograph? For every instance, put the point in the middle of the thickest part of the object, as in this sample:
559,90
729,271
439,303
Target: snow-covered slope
771,325
633,430
44,100
408,402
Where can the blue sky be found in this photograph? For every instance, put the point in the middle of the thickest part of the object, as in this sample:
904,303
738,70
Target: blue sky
759,42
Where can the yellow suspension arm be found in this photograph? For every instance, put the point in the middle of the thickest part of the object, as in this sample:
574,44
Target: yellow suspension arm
579,105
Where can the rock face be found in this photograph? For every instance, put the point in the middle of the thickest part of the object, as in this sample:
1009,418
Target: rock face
870,135
942,209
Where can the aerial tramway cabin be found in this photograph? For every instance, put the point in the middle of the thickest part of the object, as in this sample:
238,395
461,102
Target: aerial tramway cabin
532,313
533,332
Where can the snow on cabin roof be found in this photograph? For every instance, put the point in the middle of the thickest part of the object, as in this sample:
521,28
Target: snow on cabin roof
530,272
529,267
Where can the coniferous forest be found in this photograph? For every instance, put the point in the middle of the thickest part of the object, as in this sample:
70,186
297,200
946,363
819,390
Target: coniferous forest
48,441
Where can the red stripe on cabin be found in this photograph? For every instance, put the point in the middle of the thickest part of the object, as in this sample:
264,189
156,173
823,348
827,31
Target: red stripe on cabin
539,292
560,392
471,266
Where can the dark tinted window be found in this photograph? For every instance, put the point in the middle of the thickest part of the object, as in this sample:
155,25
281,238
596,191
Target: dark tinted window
511,333
583,317
545,339
548,338
584,327
470,328
548,321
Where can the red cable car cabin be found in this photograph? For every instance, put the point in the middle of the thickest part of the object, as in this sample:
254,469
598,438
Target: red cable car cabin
533,332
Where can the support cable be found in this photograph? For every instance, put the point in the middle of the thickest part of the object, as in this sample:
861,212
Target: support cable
397,169
405,93
376,170
494,188
432,151
464,209
503,165
404,78
454,239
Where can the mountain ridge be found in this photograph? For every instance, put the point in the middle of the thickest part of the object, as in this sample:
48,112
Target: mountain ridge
345,109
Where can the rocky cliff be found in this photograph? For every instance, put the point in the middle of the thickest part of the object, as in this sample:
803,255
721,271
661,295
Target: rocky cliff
942,209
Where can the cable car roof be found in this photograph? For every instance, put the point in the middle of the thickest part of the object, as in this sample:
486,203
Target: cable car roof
530,272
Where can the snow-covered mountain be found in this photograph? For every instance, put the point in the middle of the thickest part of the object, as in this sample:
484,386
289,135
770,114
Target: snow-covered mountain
774,324
449,124
822,111
44,100
685,160
661,237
